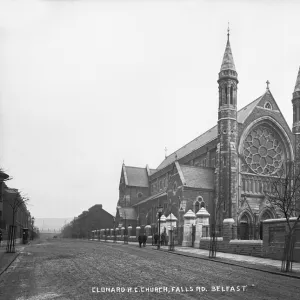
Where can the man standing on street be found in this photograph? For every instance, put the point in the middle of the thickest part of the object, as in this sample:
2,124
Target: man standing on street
140,240
144,239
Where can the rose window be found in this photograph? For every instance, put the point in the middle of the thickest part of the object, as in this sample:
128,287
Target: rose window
263,152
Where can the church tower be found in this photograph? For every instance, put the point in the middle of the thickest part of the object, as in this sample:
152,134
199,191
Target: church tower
226,165
296,119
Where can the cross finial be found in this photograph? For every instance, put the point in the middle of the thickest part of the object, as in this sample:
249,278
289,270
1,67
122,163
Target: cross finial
267,82
166,152
228,31
123,162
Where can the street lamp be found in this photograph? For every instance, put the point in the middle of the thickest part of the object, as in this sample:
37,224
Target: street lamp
159,209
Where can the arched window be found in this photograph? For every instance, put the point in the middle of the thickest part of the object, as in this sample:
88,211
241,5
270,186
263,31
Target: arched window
268,105
226,95
231,95
198,204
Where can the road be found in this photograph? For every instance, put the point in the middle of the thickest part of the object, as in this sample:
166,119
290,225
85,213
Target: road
75,269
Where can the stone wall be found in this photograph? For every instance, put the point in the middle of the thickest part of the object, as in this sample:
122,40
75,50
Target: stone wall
274,232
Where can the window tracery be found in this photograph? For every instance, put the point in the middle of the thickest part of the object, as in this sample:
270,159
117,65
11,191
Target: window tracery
263,151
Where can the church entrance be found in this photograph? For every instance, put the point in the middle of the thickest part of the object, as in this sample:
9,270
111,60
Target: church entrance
244,230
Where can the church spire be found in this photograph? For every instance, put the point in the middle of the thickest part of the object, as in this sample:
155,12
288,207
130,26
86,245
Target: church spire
228,63
297,85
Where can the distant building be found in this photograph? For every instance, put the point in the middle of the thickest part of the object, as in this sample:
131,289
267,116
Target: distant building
3,177
94,218
22,219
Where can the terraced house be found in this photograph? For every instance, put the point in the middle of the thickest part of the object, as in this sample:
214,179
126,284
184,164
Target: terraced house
226,169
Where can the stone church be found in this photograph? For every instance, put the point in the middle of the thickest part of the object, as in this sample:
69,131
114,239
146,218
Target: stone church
225,170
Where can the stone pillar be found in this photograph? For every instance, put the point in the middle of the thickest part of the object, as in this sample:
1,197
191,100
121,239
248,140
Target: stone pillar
202,220
189,221
129,231
171,222
111,232
148,230
138,228
122,231
227,229
163,221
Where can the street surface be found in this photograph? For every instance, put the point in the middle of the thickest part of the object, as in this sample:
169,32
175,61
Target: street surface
77,269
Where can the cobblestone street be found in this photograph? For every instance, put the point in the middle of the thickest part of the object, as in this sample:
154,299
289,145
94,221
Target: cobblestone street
74,269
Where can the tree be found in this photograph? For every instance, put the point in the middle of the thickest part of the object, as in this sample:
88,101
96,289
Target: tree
284,195
15,202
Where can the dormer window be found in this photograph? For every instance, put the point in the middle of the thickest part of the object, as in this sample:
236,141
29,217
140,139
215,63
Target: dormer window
268,105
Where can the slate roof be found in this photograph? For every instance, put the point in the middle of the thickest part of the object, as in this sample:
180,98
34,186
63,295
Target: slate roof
297,85
152,171
137,176
158,195
207,136
228,62
127,212
198,177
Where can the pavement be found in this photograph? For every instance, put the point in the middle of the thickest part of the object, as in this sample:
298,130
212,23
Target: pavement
251,262
6,259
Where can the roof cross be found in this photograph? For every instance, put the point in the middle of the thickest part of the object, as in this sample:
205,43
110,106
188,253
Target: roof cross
267,82
166,152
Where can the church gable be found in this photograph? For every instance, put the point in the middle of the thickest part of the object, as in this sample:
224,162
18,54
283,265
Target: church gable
267,110
268,102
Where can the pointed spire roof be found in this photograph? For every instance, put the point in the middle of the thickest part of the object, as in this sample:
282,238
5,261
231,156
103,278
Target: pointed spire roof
297,85
228,63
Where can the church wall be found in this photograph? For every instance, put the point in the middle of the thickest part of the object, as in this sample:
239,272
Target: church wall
147,211
191,196
129,195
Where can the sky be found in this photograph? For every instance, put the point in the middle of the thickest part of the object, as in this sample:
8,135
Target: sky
87,84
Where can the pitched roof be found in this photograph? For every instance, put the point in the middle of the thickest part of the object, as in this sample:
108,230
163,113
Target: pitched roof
127,213
207,136
152,171
198,177
228,63
158,195
136,176
297,85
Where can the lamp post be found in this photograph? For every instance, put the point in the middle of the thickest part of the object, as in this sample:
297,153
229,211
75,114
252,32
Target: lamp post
159,209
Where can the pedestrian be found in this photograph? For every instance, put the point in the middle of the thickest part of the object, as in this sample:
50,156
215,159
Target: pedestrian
140,240
156,238
144,239
163,237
